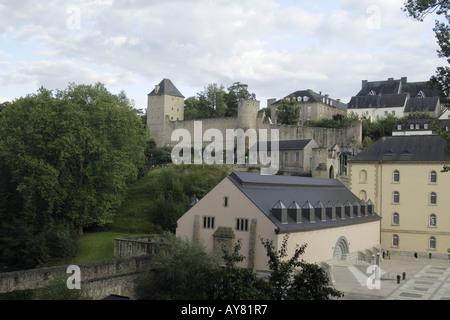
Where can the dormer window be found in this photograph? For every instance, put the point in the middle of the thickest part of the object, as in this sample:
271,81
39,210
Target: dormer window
372,93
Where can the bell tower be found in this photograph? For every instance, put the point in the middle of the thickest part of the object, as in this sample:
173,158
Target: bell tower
164,104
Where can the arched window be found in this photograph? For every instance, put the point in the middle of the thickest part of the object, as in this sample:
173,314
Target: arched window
433,177
433,198
432,243
363,176
395,219
396,176
396,197
363,195
395,240
433,220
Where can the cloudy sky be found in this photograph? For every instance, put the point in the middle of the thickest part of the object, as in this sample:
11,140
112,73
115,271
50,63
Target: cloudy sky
274,46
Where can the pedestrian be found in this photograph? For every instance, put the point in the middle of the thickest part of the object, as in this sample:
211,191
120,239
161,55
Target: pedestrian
415,255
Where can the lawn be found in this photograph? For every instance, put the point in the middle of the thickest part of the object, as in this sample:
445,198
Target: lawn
98,246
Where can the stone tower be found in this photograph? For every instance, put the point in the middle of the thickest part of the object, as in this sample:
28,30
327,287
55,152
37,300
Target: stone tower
165,103
247,114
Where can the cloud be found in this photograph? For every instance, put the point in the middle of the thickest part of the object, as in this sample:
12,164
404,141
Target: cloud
276,47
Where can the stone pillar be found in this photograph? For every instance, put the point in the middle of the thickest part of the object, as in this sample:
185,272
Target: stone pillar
196,231
252,244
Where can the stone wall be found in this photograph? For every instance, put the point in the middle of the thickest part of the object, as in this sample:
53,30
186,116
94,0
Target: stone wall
136,246
100,279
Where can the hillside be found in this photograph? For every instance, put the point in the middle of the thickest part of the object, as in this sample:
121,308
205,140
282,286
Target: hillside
157,200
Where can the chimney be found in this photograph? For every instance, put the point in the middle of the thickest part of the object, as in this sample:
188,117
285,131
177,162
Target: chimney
363,83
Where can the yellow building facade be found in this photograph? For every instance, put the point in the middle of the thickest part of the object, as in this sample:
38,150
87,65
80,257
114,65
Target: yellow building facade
402,177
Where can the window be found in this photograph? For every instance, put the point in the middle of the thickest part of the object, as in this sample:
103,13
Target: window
417,126
399,127
363,176
286,157
396,176
241,224
433,220
297,157
309,109
395,219
411,126
433,198
393,113
396,197
395,240
225,201
432,243
433,177
363,195
208,222
385,113
425,126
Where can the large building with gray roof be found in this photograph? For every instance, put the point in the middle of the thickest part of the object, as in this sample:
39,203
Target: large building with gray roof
321,213
397,97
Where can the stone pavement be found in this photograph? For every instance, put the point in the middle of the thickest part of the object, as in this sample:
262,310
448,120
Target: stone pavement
425,279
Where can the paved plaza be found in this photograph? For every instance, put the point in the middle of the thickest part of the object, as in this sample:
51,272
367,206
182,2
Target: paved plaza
420,279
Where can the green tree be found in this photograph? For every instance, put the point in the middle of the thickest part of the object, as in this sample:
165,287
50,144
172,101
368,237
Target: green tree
295,279
288,112
311,283
419,9
66,158
236,92
179,272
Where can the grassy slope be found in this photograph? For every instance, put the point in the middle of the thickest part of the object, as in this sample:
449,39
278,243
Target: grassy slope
135,215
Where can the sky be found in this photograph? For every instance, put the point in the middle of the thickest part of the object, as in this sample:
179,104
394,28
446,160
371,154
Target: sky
276,47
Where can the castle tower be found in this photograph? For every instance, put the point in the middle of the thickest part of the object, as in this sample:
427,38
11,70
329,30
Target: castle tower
165,103
247,114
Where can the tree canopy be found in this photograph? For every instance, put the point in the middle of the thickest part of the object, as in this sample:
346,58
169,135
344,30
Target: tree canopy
419,9
216,102
288,112
206,276
66,157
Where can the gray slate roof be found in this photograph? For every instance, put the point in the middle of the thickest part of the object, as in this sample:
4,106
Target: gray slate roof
314,97
166,87
422,104
405,148
378,101
269,191
388,89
